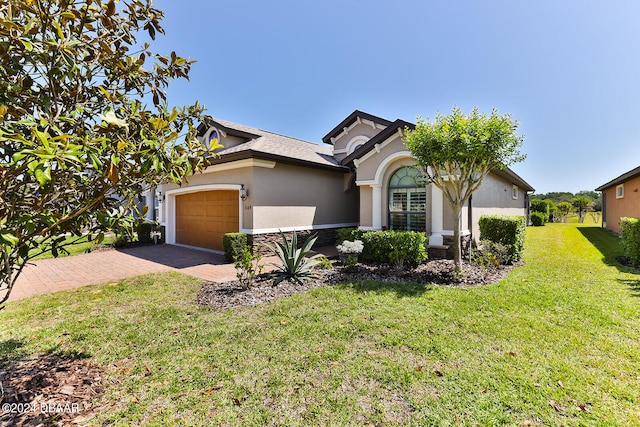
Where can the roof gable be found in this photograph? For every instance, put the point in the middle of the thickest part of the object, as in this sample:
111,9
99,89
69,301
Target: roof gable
355,117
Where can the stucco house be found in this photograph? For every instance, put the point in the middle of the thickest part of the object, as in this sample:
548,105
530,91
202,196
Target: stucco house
620,198
362,176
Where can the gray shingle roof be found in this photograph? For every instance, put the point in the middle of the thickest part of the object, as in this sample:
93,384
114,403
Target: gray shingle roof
271,144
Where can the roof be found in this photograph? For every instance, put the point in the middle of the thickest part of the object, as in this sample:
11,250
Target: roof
271,146
380,137
393,127
514,178
350,120
621,179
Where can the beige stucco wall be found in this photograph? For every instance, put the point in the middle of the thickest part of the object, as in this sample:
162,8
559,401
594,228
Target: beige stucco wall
494,197
370,163
281,197
294,196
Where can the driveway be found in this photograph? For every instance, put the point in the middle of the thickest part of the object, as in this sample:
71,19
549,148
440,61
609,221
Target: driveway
57,274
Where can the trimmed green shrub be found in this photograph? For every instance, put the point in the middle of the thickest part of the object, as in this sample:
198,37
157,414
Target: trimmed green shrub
507,230
537,218
394,247
630,236
388,246
541,206
144,229
233,244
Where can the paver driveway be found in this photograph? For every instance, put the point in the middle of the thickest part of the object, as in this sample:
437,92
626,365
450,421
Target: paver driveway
57,274
51,275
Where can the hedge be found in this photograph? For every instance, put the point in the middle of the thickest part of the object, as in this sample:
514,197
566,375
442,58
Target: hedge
233,244
507,230
630,236
388,247
537,218
144,229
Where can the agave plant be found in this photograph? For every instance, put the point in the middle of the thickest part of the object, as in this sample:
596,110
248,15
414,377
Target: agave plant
294,265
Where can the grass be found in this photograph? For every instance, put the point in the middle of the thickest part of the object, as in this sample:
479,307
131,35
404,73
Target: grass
76,248
555,343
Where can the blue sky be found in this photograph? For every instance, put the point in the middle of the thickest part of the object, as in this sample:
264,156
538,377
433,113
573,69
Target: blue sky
568,70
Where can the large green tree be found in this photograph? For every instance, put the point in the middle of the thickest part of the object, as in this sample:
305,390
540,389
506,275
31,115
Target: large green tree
84,122
457,151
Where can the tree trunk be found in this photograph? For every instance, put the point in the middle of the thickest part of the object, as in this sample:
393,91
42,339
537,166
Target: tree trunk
457,249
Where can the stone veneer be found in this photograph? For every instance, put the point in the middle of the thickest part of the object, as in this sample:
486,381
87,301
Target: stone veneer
326,237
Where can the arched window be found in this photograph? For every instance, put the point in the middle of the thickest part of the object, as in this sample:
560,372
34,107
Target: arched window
407,200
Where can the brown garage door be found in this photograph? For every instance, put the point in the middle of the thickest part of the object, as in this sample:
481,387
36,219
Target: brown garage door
203,218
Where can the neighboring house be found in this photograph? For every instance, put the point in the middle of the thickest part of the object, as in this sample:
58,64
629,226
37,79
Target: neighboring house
363,176
620,198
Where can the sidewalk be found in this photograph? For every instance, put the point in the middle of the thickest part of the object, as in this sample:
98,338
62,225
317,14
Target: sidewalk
58,274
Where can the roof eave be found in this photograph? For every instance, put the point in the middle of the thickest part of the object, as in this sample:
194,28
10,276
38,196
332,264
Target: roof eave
634,173
349,121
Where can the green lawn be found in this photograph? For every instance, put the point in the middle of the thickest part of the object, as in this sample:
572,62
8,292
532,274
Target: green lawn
82,246
555,343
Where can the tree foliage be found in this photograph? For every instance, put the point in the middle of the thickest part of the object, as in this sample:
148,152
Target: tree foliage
456,152
582,205
77,139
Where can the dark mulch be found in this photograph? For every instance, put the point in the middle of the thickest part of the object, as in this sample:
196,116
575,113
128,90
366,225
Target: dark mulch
49,390
436,272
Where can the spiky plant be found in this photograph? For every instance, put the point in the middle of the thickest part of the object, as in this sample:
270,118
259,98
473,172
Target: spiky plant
294,265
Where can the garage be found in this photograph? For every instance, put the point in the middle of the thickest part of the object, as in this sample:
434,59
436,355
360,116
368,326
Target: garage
202,218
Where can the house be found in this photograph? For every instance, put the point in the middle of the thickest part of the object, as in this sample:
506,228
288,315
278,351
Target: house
362,176
620,198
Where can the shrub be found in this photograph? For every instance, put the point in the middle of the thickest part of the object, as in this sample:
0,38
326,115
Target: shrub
541,206
233,244
630,236
294,265
144,229
324,263
247,264
394,247
537,218
491,253
507,230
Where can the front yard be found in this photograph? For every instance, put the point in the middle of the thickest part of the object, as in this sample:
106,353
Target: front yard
555,343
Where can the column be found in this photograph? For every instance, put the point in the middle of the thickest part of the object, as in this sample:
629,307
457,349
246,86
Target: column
376,206
437,217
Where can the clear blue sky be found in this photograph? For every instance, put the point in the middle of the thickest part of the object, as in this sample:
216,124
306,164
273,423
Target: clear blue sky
568,70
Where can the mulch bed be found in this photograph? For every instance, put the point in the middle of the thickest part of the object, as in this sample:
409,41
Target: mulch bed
49,390
437,272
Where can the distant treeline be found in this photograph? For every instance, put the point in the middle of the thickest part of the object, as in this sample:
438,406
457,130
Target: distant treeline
565,196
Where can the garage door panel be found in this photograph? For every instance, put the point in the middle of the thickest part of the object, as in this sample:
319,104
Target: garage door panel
203,218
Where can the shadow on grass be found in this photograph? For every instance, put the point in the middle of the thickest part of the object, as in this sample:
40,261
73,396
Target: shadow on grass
609,246
400,289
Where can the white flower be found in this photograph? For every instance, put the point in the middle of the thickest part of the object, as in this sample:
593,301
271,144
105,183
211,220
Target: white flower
348,247
111,118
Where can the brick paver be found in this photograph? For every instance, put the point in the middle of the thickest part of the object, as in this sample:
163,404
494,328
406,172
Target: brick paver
52,275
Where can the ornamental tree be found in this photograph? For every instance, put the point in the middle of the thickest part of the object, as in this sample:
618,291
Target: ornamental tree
582,205
78,139
456,152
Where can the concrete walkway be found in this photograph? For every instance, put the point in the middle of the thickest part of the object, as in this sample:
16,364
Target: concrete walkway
52,275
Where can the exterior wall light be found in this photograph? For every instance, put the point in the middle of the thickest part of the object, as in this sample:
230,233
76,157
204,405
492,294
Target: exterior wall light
244,193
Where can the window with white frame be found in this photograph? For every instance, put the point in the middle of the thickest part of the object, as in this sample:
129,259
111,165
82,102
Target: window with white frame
620,191
407,200
514,192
